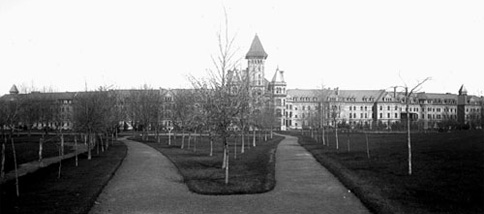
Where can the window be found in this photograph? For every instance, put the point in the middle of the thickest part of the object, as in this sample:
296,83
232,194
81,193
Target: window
366,115
350,108
381,108
350,116
388,115
396,108
388,108
381,115
354,115
365,108
396,115
309,108
361,115
303,108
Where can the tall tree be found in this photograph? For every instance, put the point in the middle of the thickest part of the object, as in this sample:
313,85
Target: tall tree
223,100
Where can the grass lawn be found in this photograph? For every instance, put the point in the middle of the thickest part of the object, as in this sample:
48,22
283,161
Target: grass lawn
448,170
252,172
27,148
74,192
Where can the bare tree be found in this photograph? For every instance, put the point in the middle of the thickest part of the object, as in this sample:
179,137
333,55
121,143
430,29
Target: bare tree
184,111
408,96
224,102
335,113
89,117
11,110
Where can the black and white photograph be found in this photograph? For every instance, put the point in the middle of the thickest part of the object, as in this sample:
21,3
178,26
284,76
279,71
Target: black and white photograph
225,106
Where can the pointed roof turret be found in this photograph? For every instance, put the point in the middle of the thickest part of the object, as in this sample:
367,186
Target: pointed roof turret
256,50
14,89
278,76
462,90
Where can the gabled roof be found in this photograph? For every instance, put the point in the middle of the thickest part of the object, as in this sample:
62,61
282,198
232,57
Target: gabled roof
434,96
256,50
311,93
278,77
359,95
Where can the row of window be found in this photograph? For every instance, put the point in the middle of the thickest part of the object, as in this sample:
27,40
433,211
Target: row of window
295,99
353,116
353,108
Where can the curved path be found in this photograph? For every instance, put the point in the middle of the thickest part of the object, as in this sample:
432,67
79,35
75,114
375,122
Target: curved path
147,182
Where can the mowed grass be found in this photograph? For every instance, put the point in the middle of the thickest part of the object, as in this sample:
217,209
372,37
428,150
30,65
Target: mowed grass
251,172
76,190
27,148
448,170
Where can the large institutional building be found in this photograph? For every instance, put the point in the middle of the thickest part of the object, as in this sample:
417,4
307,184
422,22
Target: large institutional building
307,109
313,108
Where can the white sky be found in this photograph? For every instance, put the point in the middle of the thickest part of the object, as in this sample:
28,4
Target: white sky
64,44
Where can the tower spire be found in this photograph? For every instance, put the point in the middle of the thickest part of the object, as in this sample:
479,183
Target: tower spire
256,50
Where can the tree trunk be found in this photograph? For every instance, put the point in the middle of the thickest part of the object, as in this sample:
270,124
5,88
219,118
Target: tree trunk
253,138
169,138
336,135
409,141
235,147
183,140
41,142
195,142
15,165
242,149
157,135
189,139
226,151
76,148
89,155
102,142
96,144
367,146
61,155
224,161
2,172
322,134
211,147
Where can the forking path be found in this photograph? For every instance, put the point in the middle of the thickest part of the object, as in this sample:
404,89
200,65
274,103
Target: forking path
147,182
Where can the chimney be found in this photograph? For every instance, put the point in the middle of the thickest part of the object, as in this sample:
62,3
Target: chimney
395,92
336,91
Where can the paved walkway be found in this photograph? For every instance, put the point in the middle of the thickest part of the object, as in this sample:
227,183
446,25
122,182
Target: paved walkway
147,182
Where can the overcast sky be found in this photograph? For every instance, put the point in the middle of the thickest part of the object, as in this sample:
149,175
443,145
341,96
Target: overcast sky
67,45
